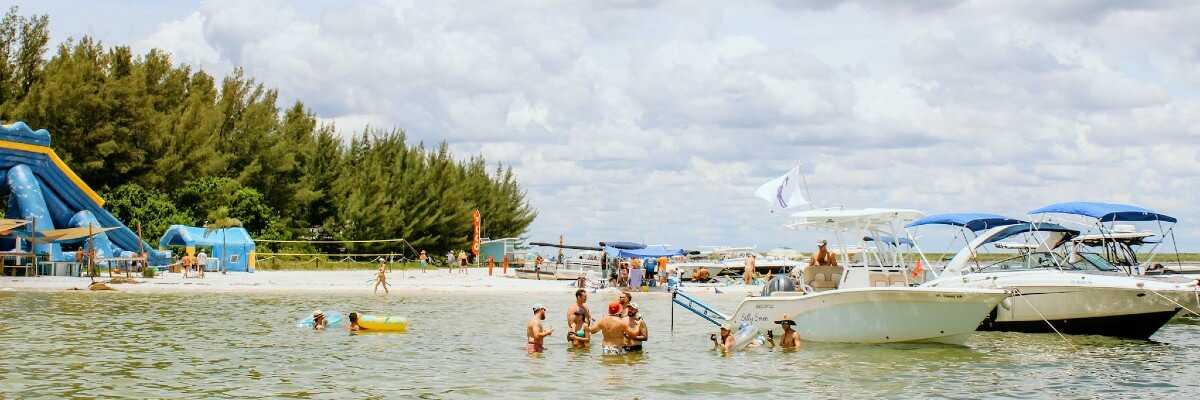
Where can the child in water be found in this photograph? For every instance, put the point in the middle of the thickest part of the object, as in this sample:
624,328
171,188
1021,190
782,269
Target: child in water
354,323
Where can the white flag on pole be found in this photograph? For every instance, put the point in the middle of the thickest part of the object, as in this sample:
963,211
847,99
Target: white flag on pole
783,192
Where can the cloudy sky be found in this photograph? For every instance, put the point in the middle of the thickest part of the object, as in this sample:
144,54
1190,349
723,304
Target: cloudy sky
655,120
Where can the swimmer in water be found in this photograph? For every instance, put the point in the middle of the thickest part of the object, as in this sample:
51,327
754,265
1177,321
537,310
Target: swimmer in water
534,332
790,339
613,328
578,318
624,300
724,342
354,323
636,331
318,320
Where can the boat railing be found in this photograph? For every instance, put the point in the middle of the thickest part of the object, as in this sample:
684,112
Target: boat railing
698,307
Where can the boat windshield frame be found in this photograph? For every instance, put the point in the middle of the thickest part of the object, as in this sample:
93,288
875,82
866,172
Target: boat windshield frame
1047,260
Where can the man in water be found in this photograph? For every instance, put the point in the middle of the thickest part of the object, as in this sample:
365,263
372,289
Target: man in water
534,333
725,341
578,318
318,320
381,278
613,327
790,339
636,331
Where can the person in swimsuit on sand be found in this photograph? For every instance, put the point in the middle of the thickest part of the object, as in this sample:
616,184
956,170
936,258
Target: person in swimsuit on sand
613,328
534,333
578,318
381,278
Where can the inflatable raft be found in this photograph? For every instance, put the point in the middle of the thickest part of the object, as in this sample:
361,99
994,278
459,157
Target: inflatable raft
382,323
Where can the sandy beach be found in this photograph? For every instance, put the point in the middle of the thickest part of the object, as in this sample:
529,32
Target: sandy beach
344,281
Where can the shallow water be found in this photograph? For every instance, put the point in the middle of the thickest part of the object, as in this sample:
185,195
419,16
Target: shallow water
83,344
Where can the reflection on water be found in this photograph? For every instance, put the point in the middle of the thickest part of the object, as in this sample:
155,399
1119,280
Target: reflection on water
83,344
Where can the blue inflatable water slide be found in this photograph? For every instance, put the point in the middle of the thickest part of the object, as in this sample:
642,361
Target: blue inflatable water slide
41,188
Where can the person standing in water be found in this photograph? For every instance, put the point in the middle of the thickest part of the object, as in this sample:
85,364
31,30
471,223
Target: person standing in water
636,331
724,342
381,278
578,318
624,301
534,333
318,320
613,328
790,339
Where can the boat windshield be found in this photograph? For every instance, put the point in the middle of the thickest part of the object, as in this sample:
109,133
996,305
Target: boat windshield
1046,260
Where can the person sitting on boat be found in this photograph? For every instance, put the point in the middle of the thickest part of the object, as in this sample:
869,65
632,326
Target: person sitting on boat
613,328
748,274
354,323
534,332
636,331
823,256
318,320
790,339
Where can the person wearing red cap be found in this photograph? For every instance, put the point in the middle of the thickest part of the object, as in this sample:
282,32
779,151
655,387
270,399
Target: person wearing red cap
613,327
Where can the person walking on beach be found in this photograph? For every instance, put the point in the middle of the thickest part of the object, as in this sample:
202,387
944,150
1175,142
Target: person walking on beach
381,278
636,329
534,333
202,262
578,318
423,260
462,262
450,262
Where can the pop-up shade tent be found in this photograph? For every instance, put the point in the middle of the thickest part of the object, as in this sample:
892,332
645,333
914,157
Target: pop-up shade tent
233,246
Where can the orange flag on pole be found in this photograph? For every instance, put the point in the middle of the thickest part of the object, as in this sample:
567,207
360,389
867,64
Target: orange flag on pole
475,239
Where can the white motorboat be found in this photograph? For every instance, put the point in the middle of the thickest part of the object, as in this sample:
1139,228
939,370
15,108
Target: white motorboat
1069,293
870,302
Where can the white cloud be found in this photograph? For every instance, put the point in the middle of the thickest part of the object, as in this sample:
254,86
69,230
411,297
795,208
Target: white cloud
654,120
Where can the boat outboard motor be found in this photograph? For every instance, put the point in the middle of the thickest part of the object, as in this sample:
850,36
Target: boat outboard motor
778,283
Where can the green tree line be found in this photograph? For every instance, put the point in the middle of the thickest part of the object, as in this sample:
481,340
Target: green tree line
169,144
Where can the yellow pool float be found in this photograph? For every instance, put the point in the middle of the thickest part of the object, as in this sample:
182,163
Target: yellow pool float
382,323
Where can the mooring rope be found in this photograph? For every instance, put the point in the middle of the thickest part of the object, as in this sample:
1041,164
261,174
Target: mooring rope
1043,316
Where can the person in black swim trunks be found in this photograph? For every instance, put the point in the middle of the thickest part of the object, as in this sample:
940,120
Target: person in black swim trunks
636,331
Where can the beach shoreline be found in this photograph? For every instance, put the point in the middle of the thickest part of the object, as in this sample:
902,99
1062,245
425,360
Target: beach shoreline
339,281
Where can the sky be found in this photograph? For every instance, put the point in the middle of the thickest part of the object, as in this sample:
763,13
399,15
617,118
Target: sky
654,121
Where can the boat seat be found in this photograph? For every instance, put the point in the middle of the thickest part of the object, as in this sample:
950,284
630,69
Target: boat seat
879,279
897,280
822,277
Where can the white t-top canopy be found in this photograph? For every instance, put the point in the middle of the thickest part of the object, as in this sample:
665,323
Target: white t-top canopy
862,218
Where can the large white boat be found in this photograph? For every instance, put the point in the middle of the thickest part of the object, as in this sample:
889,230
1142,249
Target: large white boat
1063,291
870,301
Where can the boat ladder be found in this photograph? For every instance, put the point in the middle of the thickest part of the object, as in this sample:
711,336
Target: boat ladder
697,307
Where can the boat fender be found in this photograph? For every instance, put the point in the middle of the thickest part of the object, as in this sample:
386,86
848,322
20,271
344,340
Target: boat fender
746,333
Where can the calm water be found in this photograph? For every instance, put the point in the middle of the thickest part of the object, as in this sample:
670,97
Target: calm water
56,345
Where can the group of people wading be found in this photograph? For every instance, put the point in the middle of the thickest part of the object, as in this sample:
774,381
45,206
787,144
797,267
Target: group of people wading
622,329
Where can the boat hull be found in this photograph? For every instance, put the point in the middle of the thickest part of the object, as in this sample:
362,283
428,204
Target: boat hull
1083,304
876,315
